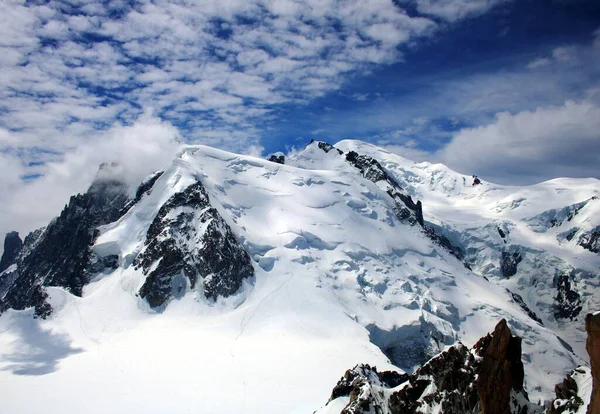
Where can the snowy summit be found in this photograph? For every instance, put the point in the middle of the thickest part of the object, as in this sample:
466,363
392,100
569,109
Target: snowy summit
230,283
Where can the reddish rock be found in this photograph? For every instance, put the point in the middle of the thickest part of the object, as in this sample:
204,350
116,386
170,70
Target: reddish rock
501,371
592,326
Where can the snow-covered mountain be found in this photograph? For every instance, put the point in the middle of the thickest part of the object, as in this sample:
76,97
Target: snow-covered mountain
231,283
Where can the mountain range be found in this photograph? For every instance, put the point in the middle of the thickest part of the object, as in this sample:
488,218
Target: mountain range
225,282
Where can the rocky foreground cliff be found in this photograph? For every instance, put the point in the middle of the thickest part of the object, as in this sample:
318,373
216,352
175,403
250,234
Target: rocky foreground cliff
485,379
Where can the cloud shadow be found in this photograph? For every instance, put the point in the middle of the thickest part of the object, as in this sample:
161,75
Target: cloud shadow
36,351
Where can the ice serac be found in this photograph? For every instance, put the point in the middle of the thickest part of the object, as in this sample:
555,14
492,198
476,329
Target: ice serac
61,254
487,379
540,241
592,326
188,240
12,247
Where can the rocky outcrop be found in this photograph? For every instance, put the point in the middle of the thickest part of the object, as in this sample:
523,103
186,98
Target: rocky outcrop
591,240
372,170
486,379
278,158
143,189
592,326
501,374
326,147
12,248
365,386
405,209
509,262
567,302
519,300
188,240
61,254
569,398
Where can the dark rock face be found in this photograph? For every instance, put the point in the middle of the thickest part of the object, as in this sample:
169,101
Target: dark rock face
486,379
12,247
519,300
592,346
60,254
591,240
144,188
509,262
279,159
188,240
406,209
361,384
452,372
501,371
567,399
325,146
501,233
567,302
443,241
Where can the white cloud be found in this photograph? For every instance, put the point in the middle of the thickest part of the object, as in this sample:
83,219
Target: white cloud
141,148
78,71
530,146
537,63
453,10
70,81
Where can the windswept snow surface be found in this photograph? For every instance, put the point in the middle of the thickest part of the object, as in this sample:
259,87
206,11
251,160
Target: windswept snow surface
334,268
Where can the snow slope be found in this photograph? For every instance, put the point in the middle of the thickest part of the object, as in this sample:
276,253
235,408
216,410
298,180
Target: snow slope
536,221
338,279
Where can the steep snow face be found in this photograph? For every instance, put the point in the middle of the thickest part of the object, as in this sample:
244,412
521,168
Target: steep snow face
539,241
339,279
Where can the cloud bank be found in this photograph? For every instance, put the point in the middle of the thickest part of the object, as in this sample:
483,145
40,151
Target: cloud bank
530,146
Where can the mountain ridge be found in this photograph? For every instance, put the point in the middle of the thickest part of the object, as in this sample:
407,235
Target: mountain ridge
336,263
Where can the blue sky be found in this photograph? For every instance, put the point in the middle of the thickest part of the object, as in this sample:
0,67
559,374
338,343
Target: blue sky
500,43
506,89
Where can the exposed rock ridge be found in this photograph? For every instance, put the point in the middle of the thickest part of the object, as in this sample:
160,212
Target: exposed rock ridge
501,373
509,262
519,300
567,302
188,240
372,170
568,394
592,327
366,388
144,188
277,158
486,379
591,240
406,209
61,254
12,248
